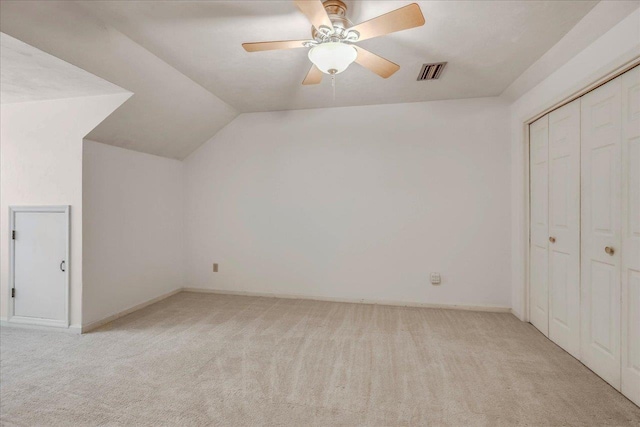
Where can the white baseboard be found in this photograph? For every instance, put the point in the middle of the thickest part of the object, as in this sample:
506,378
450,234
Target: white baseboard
96,324
516,314
73,329
487,308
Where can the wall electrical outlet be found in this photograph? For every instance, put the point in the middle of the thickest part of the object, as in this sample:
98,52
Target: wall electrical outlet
436,279
215,267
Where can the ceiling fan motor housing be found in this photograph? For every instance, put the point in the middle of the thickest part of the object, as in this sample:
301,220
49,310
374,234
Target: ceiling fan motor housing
337,12
335,7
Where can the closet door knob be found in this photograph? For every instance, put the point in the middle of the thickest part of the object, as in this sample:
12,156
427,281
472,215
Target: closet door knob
552,239
609,250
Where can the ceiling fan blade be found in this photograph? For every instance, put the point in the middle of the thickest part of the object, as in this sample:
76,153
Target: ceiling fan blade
315,13
314,76
260,46
400,19
382,67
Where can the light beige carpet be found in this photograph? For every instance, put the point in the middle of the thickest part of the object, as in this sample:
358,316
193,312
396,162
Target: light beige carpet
204,359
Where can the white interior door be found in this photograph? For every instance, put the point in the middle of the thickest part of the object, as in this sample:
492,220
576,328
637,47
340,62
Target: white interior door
601,233
564,227
630,338
539,259
40,266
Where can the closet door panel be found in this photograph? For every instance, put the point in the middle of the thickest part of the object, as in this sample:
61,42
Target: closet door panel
539,255
601,230
630,337
564,227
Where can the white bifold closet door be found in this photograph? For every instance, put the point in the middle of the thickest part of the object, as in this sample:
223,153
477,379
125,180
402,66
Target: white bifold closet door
630,274
539,253
564,227
555,226
601,230
585,230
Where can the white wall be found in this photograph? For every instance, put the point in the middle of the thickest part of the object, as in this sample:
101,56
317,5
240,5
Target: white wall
132,229
355,203
41,164
613,49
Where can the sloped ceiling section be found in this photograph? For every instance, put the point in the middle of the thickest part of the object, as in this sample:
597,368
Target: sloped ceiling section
29,74
604,16
169,114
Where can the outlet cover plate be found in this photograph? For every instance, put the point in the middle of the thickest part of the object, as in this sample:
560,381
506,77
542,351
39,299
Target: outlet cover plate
436,279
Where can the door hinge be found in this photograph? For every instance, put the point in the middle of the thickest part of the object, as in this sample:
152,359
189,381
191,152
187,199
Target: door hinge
13,234
13,292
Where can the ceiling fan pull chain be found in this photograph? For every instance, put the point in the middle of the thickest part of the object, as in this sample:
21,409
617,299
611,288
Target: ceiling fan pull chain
333,85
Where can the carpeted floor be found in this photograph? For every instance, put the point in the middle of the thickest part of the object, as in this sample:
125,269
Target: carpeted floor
205,359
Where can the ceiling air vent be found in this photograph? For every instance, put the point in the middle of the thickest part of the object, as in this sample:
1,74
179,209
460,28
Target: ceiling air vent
431,71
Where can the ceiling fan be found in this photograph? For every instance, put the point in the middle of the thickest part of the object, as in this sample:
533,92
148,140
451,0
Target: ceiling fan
333,37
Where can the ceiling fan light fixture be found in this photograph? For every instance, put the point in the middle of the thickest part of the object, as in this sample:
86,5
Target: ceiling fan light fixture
332,57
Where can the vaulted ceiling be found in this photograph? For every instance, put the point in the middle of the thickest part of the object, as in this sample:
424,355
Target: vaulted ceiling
184,62
486,43
29,75
169,114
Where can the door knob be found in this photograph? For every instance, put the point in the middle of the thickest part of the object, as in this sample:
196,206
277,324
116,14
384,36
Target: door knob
62,266
609,250
552,239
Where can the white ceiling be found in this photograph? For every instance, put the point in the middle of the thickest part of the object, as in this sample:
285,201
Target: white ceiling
487,44
29,74
184,62
604,16
169,114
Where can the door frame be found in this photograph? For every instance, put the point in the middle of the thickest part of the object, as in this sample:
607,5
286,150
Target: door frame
13,210
566,99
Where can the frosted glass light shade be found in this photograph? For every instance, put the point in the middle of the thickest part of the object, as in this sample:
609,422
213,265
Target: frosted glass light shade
332,56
